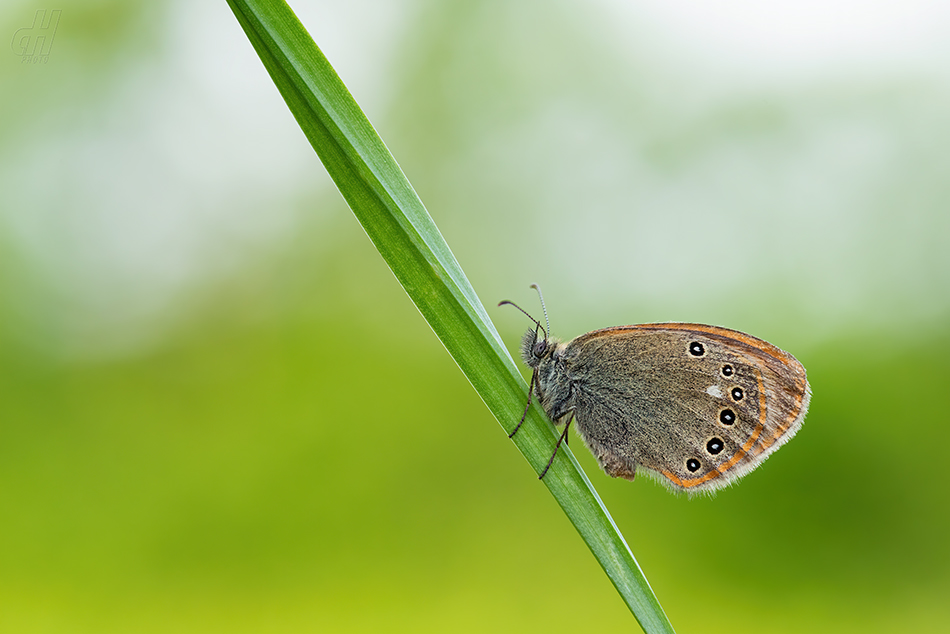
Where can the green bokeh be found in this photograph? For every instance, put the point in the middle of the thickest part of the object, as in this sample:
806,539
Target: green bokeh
291,449
333,475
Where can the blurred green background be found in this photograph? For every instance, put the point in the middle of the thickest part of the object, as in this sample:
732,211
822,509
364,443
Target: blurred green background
220,413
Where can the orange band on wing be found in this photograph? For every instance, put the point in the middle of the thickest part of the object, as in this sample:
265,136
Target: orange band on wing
718,471
789,421
749,340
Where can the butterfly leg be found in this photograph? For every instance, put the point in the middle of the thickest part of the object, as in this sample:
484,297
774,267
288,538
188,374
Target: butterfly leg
534,378
556,447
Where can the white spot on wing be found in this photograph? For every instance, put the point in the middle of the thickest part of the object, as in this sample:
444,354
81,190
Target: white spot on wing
713,390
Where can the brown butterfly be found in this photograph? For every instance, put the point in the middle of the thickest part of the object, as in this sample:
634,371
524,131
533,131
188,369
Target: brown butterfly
695,406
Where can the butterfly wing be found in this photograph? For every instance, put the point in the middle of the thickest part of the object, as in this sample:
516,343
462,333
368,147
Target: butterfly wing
697,405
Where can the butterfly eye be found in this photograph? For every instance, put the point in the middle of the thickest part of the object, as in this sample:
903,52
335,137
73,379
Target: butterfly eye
727,370
727,417
540,347
715,446
697,349
737,394
693,465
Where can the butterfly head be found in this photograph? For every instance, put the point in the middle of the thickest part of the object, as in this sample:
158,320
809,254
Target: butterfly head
536,346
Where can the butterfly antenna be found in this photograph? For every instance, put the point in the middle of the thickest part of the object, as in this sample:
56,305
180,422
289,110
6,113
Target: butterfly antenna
536,322
543,308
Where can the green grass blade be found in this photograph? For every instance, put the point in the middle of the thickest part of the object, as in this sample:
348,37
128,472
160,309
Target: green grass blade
396,221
